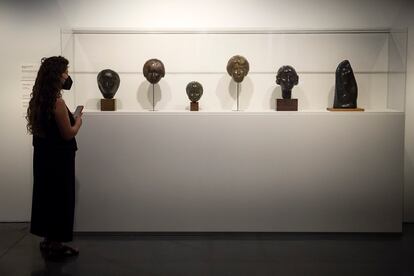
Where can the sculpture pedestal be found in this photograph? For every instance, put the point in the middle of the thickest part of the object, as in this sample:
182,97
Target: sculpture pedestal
107,104
174,202
286,104
194,106
345,109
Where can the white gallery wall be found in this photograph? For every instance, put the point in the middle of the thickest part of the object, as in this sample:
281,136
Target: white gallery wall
26,36
30,30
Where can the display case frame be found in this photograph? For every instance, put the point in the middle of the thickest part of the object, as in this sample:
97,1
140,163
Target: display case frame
378,57
256,170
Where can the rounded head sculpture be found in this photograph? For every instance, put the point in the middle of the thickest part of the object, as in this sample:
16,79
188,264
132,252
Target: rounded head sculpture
194,91
287,78
108,83
153,70
238,67
346,88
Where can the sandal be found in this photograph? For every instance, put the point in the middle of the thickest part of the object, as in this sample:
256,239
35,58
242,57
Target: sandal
61,252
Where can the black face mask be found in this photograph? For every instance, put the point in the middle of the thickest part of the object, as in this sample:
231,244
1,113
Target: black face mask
67,84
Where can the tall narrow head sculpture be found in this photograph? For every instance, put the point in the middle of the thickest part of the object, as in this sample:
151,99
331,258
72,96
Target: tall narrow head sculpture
346,88
108,83
287,78
238,67
153,70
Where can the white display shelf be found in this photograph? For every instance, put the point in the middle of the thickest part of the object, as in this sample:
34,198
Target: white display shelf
240,171
235,112
225,31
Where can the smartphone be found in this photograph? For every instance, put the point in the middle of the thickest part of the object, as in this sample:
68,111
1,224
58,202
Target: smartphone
78,111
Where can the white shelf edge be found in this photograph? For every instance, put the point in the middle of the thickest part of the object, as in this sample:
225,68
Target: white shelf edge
230,112
250,73
226,31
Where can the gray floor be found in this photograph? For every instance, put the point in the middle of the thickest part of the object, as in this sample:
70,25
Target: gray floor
214,254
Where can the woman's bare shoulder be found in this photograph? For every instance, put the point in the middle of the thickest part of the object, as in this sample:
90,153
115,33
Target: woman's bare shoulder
60,104
60,100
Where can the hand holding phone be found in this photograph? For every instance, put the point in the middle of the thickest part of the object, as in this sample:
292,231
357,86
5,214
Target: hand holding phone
78,111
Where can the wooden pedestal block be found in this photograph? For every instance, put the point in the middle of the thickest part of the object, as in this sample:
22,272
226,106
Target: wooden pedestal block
287,104
345,109
194,106
107,104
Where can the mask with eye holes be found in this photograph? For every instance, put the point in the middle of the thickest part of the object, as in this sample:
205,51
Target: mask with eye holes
238,67
287,78
108,83
153,70
194,91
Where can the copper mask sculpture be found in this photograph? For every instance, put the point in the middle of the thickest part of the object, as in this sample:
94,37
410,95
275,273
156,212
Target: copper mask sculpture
287,78
108,83
238,67
346,89
154,70
194,91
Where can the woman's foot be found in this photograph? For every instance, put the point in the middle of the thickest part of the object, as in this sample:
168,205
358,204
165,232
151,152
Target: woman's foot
57,250
64,251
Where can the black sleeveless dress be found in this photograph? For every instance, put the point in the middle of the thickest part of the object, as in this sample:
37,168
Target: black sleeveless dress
53,204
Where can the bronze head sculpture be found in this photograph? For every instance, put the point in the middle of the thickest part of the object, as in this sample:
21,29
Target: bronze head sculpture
153,70
194,91
287,78
346,89
108,83
238,67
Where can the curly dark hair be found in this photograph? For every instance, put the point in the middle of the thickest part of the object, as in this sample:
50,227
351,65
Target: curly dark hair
45,91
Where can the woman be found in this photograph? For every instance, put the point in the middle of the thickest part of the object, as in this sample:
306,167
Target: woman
54,129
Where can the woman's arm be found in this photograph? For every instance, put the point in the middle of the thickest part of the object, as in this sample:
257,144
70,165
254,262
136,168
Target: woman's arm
62,119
